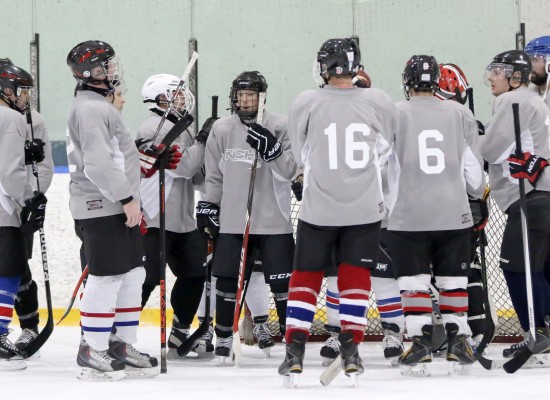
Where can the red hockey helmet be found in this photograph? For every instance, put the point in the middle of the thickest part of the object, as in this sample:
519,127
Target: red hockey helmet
452,83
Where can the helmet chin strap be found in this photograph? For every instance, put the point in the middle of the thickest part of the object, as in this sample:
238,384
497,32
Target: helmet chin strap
101,91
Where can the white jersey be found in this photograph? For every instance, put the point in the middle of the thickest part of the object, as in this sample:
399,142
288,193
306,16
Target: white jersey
45,167
341,136
435,165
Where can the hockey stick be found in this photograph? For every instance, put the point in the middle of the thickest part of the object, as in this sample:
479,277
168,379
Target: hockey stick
521,357
172,135
184,77
237,351
45,333
184,348
83,276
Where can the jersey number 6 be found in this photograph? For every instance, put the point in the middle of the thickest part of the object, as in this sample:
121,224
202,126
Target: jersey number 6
430,153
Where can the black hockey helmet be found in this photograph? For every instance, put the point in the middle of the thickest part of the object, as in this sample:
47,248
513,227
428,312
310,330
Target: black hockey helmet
421,73
85,57
338,57
18,80
6,61
520,62
247,80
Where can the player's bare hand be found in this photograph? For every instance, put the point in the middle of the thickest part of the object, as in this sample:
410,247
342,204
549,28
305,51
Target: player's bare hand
133,213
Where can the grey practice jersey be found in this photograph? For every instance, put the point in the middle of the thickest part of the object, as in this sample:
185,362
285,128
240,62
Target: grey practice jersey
179,190
15,187
537,91
45,167
103,158
499,142
434,166
342,136
228,162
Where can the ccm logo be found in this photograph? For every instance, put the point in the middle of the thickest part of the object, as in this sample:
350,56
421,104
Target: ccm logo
280,276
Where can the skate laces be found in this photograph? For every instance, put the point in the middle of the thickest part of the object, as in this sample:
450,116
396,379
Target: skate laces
391,339
209,335
27,336
101,356
261,332
332,343
6,344
523,343
133,352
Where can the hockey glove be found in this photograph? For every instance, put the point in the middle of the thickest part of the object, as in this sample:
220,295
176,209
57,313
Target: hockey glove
148,157
202,136
362,80
298,187
34,151
37,212
264,141
527,166
208,219
480,128
143,226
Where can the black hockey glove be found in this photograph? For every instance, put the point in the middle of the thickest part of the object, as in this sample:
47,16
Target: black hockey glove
34,151
202,136
37,212
480,128
298,187
480,210
527,166
208,219
264,141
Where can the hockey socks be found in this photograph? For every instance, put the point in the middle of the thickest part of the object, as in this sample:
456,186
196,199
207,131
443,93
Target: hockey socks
8,290
388,301
354,286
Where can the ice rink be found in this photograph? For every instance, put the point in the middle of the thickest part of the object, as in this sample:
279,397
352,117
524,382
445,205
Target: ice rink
53,377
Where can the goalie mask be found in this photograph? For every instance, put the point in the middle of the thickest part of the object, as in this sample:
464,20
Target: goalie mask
95,62
159,90
336,57
421,73
244,94
16,86
452,84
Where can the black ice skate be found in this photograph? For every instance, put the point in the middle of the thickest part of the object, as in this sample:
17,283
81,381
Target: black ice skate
178,335
330,349
10,359
224,348
413,361
98,365
459,351
392,342
351,361
263,335
293,363
138,365
541,352
27,336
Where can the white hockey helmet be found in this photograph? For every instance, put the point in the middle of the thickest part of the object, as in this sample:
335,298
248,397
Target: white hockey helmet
158,90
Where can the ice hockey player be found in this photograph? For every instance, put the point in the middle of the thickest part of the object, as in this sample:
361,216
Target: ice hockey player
339,133
16,193
539,51
230,152
508,76
185,246
104,202
37,151
453,85
435,150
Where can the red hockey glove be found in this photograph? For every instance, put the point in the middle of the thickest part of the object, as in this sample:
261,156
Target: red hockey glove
148,157
527,166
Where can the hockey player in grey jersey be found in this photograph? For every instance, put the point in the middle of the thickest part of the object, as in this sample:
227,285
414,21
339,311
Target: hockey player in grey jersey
104,201
508,76
37,150
230,153
185,246
340,134
435,150
15,192
539,51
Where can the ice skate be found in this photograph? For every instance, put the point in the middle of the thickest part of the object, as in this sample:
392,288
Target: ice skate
392,343
224,349
26,337
292,365
459,352
199,351
263,336
352,364
330,349
98,365
10,359
138,365
414,360
510,351
541,352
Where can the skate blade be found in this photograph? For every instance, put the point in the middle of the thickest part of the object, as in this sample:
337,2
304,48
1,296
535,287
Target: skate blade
141,373
353,376
15,364
416,371
290,381
331,372
456,368
223,360
192,356
93,375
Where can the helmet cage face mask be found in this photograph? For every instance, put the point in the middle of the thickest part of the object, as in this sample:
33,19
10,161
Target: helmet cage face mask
159,90
452,84
248,80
